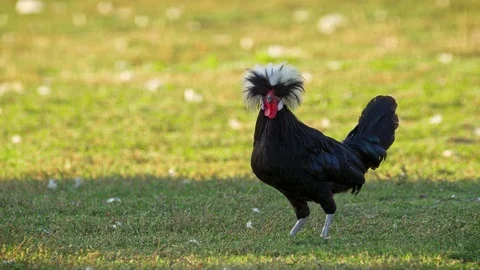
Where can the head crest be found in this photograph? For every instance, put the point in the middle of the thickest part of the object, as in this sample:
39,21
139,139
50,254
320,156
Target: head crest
283,79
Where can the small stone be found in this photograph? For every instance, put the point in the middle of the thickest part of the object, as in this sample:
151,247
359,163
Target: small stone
325,123
445,58
26,7
191,96
235,124
173,13
43,90
436,119
113,199
52,184
104,8
330,23
307,76
78,182
172,172
16,139
246,43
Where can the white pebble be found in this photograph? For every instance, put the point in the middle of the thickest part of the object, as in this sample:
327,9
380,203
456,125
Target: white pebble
52,184
325,123
17,87
117,224
436,119
26,7
477,131
125,76
173,13
16,139
454,196
246,43
447,153
276,51
78,182
330,23
249,225
445,58
153,85
255,210
333,65
194,241
43,90
307,76
191,96
113,199
172,172
104,8
235,124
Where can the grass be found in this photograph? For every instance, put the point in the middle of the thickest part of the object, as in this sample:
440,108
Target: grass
182,172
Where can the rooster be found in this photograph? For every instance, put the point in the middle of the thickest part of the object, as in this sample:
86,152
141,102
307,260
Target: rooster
301,162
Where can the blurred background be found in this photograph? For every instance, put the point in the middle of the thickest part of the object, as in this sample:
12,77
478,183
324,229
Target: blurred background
95,88
124,141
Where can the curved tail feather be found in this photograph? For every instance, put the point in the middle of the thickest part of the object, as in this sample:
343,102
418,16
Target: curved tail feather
375,131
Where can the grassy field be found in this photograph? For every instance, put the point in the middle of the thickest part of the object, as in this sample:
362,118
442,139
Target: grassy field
142,101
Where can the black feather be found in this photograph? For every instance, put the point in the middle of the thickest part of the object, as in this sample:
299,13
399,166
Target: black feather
375,131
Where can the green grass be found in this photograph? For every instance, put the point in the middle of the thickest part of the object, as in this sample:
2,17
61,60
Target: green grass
123,140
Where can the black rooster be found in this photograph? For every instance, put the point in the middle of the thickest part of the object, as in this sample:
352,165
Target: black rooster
301,162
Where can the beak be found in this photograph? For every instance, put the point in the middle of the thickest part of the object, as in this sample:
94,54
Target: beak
271,107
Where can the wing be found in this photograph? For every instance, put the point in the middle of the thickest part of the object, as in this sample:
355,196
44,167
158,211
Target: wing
328,160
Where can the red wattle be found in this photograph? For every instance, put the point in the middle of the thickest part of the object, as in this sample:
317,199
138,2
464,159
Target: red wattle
271,109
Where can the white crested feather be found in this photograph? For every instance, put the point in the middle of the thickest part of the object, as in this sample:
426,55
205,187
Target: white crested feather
276,74
250,102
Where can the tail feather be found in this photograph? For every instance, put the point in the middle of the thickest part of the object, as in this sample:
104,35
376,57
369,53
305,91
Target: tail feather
375,131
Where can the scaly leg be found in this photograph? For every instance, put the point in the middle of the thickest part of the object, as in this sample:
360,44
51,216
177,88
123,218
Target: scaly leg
326,227
298,226
301,211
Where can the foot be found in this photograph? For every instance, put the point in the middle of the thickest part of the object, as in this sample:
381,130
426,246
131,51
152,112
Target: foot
298,226
324,236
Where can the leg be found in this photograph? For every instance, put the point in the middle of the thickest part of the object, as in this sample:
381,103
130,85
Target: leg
326,227
301,211
329,207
